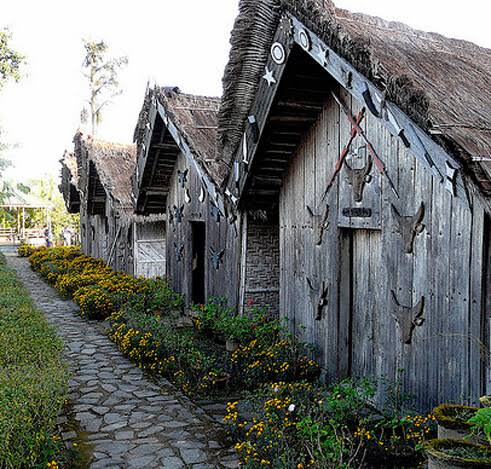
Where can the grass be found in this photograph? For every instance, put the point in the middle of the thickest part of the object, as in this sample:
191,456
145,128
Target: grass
33,378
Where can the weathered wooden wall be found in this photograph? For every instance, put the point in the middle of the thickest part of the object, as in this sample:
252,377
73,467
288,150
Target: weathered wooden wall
363,259
220,236
150,249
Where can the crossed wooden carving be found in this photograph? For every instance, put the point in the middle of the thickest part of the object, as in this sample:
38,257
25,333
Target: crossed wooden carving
407,318
318,297
408,227
357,178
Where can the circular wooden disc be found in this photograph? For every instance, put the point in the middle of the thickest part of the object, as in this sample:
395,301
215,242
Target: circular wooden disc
278,53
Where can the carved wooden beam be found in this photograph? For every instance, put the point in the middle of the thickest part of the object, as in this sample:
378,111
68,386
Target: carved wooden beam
409,226
407,318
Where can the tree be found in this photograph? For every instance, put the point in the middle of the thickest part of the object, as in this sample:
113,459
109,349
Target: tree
102,75
10,60
10,64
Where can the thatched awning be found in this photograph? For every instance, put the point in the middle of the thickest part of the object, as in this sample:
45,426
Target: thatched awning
105,169
194,119
442,84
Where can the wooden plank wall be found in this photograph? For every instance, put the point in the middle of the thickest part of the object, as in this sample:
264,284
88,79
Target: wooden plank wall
222,282
443,360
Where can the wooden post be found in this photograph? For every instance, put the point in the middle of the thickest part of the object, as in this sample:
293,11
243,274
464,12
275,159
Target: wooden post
23,223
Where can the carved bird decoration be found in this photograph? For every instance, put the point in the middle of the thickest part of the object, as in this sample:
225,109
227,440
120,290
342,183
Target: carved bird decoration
216,257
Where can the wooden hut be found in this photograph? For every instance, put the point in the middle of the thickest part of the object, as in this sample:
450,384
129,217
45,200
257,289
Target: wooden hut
69,182
176,174
105,171
97,182
366,145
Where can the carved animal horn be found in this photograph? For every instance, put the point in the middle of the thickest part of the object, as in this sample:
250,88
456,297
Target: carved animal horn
368,167
418,218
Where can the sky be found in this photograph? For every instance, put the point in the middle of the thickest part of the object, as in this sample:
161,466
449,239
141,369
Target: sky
169,42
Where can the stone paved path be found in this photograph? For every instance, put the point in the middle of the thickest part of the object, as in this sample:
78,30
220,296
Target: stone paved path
127,420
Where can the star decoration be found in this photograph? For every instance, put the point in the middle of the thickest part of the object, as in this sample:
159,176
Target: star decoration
286,25
269,77
323,55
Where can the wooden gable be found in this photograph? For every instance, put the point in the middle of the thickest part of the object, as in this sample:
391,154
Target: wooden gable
301,72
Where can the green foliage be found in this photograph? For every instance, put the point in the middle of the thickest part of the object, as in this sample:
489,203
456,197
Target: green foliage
481,422
159,298
10,60
102,75
299,425
33,378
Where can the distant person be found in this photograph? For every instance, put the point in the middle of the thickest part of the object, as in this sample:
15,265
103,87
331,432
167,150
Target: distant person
48,235
66,234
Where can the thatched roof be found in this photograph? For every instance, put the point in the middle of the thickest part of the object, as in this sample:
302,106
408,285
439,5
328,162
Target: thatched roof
114,163
194,116
442,84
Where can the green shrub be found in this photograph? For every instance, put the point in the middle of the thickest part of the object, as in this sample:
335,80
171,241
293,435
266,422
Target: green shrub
33,378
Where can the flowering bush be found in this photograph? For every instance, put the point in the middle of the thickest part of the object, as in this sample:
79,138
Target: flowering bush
156,346
300,425
95,302
25,250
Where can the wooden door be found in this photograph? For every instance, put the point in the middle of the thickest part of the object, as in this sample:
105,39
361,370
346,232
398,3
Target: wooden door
198,229
360,306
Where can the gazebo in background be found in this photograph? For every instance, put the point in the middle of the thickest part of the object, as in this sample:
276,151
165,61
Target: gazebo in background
18,203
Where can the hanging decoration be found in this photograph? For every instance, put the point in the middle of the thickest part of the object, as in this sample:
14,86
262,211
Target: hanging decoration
245,150
344,153
170,215
202,194
378,162
304,40
182,177
357,178
269,77
407,318
367,96
254,128
318,297
179,250
178,213
216,257
187,196
278,53
408,227
322,54
450,178
320,224
215,212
